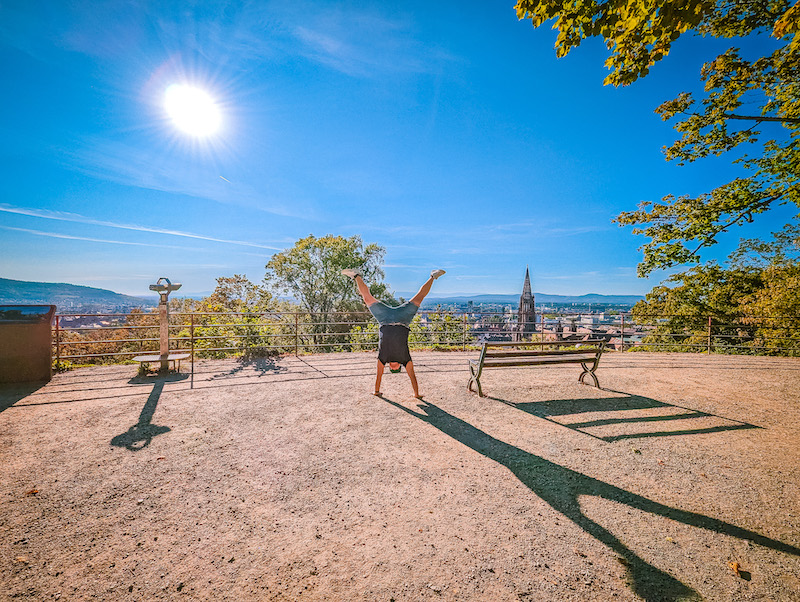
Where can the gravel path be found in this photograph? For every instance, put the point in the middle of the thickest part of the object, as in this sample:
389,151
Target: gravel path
286,479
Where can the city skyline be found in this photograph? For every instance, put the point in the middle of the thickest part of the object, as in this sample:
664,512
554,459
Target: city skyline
455,141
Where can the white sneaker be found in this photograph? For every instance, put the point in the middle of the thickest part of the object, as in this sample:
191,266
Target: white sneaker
351,273
436,273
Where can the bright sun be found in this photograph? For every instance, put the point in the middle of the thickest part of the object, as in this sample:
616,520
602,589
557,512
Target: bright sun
193,110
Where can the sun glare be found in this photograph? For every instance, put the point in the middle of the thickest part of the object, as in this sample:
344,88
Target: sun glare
192,110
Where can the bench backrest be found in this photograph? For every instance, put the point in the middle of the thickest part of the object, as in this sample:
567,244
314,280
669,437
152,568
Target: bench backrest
508,349
560,346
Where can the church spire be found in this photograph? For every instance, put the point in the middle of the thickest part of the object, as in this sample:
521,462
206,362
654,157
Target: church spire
526,317
526,288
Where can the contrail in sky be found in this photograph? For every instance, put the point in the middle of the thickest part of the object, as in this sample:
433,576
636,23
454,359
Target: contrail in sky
80,219
88,239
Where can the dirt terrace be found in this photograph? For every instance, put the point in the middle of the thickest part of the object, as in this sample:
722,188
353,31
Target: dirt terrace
287,480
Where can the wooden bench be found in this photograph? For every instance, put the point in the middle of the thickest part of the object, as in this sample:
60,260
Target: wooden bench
172,357
513,354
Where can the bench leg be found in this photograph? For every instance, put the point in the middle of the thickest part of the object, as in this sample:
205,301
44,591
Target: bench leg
475,378
590,372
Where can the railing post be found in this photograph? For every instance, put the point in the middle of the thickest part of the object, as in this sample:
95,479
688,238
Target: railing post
622,333
296,332
541,328
709,335
58,342
464,334
191,342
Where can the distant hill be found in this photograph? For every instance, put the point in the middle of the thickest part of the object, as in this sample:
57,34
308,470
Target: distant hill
20,292
66,296
540,298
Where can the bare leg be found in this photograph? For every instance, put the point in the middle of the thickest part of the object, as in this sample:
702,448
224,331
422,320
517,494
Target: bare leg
413,377
378,378
426,288
364,290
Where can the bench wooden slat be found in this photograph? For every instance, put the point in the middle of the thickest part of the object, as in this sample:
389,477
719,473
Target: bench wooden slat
537,362
584,351
540,343
532,362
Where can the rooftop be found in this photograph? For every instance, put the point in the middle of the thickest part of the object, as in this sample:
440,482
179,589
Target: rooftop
287,479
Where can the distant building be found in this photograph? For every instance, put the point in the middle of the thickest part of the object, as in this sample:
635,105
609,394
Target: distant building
526,316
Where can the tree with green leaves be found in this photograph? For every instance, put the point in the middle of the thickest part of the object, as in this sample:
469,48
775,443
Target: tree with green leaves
751,302
752,103
230,320
311,273
238,294
677,316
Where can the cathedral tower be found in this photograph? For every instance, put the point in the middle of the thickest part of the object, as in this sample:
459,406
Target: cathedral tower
526,318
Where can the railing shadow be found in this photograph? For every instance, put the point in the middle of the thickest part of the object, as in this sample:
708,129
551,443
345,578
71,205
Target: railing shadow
624,402
562,487
310,367
141,434
12,393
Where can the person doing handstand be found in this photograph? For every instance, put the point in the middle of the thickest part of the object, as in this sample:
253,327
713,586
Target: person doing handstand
395,325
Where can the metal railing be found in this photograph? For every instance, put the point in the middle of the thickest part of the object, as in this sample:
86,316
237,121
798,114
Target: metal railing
109,338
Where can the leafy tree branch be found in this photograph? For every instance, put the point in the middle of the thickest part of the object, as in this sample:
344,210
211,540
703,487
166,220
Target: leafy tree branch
640,33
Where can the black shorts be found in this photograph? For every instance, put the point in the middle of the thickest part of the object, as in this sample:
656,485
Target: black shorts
393,344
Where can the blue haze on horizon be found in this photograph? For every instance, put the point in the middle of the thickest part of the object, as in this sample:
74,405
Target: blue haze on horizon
453,138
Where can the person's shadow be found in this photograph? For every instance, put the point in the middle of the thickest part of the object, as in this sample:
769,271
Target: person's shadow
561,487
141,434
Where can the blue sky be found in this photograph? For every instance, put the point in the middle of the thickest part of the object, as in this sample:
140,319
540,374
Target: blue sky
448,134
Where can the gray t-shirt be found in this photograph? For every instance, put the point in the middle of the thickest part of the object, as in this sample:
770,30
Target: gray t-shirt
402,314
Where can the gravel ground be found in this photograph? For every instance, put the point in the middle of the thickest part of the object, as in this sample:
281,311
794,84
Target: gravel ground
287,479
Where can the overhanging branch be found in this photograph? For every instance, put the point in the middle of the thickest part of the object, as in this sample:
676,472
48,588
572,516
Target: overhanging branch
744,214
794,120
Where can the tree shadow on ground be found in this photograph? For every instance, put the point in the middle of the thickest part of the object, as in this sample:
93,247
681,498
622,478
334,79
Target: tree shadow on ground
260,365
141,434
562,487
625,402
12,393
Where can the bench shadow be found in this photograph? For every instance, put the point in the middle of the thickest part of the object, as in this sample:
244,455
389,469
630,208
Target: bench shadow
562,487
12,393
547,410
141,434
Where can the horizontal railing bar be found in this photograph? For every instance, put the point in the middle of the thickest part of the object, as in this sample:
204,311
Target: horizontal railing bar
102,328
144,351
239,336
117,353
288,348
93,342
